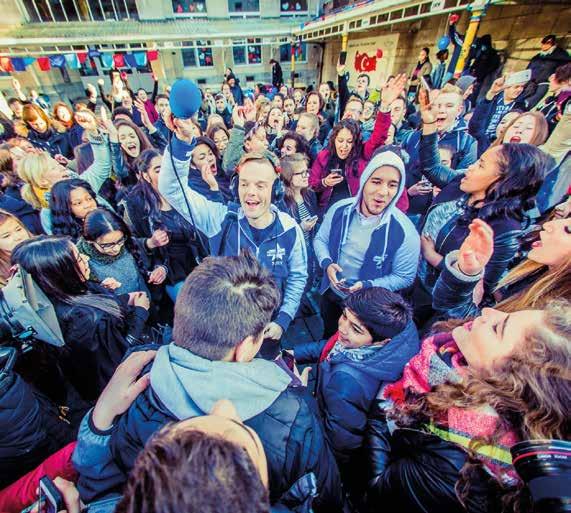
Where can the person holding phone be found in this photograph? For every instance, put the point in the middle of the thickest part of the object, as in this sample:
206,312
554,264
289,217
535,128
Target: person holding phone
366,241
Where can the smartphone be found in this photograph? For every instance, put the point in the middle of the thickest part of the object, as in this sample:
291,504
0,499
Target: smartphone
424,83
343,58
337,171
312,219
425,182
50,499
520,77
288,359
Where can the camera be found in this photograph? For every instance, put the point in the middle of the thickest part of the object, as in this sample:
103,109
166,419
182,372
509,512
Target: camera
545,467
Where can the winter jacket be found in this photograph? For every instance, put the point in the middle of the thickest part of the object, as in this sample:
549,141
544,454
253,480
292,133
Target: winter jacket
507,230
464,154
184,385
23,492
277,75
424,71
228,231
414,471
346,389
11,201
542,65
95,175
453,292
52,141
320,170
480,121
162,128
238,94
392,256
95,342
552,107
75,134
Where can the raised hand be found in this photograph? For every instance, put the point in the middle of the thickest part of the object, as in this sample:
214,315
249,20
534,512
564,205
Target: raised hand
158,239
392,90
340,68
123,388
208,176
106,126
140,106
101,82
426,111
184,129
86,120
497,87
477,248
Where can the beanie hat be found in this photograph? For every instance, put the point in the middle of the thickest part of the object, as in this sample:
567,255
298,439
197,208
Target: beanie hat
185,99
465,82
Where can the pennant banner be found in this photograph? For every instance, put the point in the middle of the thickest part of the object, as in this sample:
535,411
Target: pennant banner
6,64
81,57
107,60
152,55
130,60
44,63
140,58
118,60
19,64
57,61
72,61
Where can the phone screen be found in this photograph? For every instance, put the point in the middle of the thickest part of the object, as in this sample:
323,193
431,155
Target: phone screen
288,359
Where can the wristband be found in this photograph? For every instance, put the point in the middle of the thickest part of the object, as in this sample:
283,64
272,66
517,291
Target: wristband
465,273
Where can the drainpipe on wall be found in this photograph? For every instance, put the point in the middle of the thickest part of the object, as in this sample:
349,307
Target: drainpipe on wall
478,10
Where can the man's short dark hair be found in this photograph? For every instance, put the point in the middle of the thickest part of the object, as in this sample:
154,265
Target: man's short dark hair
549,39
118,111
222,302
189,470
14,100
366,76
563,73
161,97
384,313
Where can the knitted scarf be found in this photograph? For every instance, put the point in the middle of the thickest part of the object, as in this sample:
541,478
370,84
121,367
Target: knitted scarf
440,361
87,249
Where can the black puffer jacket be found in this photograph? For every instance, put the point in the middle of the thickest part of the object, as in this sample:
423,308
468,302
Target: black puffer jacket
290,430
412,471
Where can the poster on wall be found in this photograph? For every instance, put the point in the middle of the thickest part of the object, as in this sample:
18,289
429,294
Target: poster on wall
374,56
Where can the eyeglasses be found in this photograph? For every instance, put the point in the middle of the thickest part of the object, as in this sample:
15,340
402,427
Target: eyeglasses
111,245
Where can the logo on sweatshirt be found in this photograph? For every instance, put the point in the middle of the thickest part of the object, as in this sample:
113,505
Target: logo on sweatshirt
277,254
379,261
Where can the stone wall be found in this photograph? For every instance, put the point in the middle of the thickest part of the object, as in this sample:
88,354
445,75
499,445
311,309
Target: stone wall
516,31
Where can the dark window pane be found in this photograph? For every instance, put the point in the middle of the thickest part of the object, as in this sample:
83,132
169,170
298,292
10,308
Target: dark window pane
239,55
254,53
189,6
244,5
285,53
204,56
189,57
43,9
57,10
96,11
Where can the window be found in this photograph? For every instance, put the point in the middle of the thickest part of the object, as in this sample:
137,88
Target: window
244,6
198,55
189,7
293,6
247,51
301,53
80,10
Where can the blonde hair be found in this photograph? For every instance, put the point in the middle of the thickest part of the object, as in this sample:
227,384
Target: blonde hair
553,284
30,171
5,257
313,119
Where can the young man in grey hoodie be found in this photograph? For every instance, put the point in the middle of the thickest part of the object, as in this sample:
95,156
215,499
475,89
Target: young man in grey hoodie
366,241
220,317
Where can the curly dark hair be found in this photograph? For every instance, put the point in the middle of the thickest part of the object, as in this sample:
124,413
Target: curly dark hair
189,470
63,220
350,163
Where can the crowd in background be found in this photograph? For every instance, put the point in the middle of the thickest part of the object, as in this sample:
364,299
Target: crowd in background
181,233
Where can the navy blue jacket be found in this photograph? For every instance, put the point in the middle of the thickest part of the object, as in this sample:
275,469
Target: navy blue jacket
507,230
346,389
196,183
53,142
464,153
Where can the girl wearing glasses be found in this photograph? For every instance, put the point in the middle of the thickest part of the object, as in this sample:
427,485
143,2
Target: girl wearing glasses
115,260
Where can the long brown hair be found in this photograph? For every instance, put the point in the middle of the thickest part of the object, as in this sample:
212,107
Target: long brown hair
291,164
144,140
5,257
540,130
530,391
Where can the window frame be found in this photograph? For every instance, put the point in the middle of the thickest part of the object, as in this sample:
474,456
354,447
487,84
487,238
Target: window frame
244,43
288,61
239,14
196,14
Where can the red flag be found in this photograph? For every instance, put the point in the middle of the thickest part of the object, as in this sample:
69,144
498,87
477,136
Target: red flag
152,55
118,60
44,63
82,57
6,64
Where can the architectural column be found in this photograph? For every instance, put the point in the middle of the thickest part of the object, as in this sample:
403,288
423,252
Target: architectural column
478,11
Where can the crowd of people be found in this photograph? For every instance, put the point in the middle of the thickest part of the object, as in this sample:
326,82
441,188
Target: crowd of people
180,234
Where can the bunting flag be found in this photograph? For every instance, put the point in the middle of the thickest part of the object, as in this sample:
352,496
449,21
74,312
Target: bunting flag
140,58
94,53
119,60
29,60
131,61
152,55
107,60
57,61
44,63
81,57
6,64
19,64
72,61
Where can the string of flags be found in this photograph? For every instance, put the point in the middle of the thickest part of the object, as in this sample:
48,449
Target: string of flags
77,60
